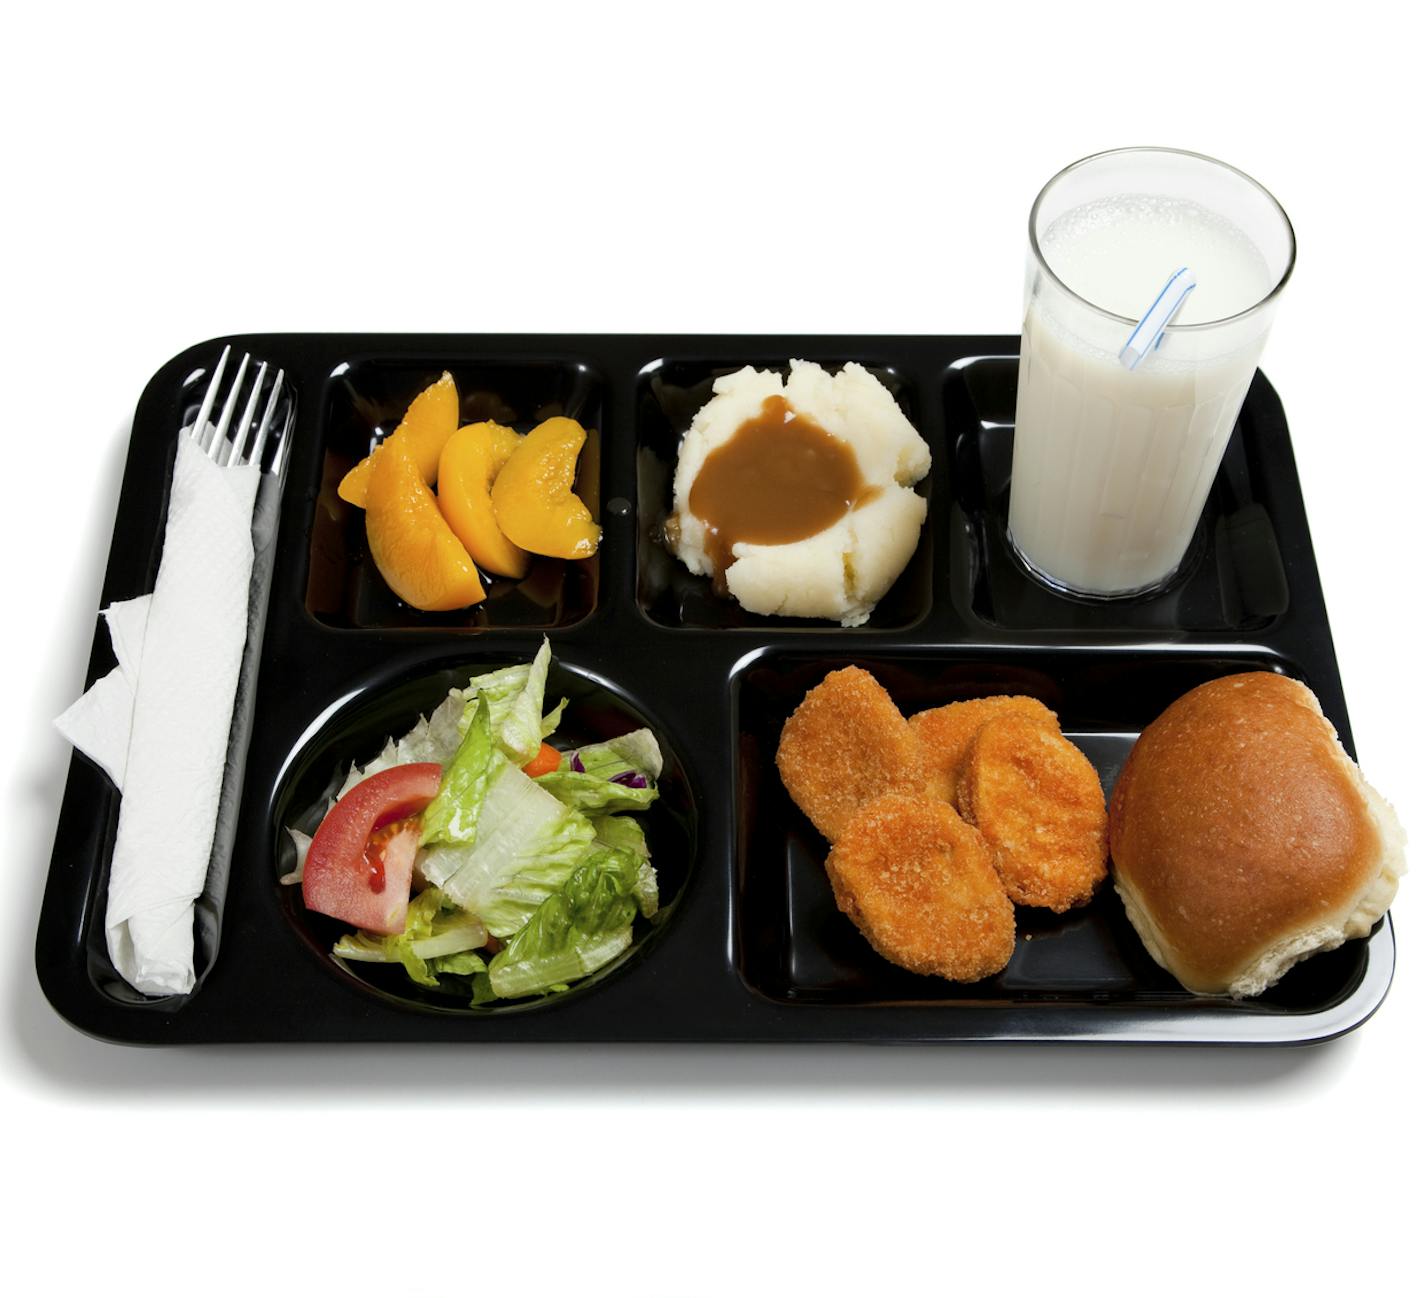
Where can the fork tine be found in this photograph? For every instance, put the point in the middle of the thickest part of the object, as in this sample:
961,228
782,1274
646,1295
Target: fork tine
260,444
225,420
284,442
211,395
234,454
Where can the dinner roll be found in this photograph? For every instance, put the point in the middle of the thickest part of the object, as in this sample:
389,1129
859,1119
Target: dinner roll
1244,839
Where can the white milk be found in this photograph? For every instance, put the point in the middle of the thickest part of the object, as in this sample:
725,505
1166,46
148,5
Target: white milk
1112,466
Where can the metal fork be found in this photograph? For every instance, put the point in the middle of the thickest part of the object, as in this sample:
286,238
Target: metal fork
225,444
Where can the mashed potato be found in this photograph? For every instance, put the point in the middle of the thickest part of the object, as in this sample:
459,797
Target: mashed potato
841,571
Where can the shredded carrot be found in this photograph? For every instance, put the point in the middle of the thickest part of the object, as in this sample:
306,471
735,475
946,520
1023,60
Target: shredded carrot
545,760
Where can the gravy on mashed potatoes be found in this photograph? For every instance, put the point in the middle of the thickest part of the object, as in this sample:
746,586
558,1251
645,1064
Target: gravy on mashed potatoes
797,498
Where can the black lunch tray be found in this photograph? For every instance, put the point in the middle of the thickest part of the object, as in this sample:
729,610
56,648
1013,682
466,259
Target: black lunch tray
749,946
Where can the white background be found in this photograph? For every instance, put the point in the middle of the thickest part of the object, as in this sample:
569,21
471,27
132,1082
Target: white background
173,173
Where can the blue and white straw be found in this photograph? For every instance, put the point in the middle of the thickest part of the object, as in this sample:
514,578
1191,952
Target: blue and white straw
1147,337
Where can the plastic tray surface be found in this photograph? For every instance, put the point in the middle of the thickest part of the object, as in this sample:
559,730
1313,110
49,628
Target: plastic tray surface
749,945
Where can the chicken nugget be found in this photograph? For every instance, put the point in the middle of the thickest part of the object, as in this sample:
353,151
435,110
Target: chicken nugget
946,733
846,744
920,884
1039,802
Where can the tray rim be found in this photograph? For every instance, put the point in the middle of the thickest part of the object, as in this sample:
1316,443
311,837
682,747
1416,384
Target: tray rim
1090,1023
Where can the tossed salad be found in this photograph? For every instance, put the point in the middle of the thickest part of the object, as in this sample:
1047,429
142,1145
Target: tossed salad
473,849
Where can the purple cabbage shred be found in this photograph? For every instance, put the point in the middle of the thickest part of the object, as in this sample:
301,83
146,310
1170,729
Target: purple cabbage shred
631,779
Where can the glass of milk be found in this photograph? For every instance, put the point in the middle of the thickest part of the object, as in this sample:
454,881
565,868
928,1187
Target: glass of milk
1113,465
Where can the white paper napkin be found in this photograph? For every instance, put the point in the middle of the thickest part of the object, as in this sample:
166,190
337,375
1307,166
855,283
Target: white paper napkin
99,721
159,722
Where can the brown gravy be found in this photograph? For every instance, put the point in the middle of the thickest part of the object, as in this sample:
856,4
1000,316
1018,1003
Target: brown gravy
779,478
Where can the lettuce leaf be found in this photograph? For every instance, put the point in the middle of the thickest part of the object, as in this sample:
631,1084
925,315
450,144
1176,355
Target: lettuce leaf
526,843
593,793
453,815
621,833
626,834
515,698
618,775
432,739
439,937
481,993
645,889
462,962
575,930
551,722
637,751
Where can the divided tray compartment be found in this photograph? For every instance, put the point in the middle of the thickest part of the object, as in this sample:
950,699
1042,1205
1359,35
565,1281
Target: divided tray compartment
749,945
670,391
795,946
1232,579
384,705
364,400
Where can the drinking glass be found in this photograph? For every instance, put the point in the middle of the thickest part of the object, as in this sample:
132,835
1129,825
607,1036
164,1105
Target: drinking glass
1112,465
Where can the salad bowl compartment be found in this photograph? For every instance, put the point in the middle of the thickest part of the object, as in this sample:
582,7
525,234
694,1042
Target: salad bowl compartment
388,704
747,944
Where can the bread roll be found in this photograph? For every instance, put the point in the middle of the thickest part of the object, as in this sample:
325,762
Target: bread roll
1244,839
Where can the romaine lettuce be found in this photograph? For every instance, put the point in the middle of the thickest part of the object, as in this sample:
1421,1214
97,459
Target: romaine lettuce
637,751
515,697
625,833
593,793
454,813
621,833
439,937
617,775
550,723
525,844
433,739
462,962
575,930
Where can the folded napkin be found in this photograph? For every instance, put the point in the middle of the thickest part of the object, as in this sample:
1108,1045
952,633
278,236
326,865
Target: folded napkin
159,723
99,722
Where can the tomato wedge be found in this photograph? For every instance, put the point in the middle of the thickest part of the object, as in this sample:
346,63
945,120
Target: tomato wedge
359,871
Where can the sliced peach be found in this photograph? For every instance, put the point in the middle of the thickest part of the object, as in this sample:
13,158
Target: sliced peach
430,421
468,466
421,559
533,497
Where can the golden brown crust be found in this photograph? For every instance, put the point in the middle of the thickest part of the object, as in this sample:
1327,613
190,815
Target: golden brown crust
1037,800
1237,825
846,744
946,733
920,884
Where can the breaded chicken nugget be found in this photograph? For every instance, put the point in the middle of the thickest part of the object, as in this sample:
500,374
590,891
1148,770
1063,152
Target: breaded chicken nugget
845,744
946,733
920,884
1038,801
